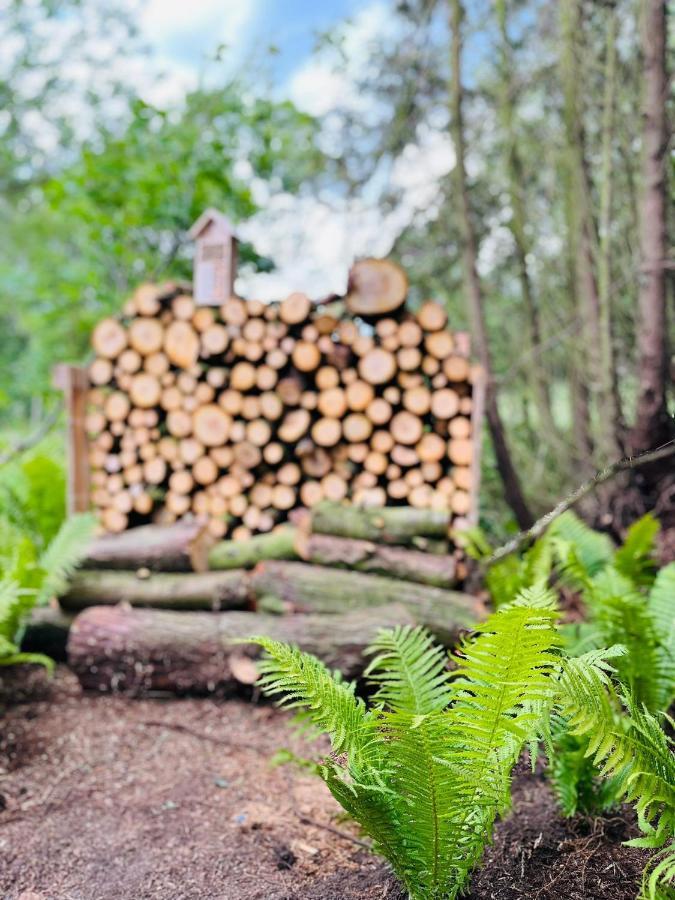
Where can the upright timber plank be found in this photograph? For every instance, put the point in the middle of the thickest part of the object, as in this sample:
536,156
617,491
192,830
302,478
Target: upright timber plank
74,383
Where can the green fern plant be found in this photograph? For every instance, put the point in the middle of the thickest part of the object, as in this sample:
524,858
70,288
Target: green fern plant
627,601
28,579
426,768
627,746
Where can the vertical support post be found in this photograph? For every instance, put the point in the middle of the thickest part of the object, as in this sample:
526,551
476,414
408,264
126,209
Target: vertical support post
479,387
74,383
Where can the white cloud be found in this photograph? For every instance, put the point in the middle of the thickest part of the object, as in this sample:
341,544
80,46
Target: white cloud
319,85
182,34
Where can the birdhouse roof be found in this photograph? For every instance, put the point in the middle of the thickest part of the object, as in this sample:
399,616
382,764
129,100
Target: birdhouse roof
209,217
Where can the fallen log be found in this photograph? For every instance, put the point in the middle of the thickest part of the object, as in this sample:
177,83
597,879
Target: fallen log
182,547
278,544
196,590
300,587
136,651
379,559
390,525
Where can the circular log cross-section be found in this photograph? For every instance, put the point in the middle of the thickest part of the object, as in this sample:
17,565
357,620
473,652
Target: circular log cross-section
376,287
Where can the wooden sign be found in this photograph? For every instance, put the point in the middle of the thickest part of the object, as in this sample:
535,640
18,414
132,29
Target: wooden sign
215,258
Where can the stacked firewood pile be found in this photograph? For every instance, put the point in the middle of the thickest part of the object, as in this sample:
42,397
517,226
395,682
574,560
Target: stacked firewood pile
241,413
162,607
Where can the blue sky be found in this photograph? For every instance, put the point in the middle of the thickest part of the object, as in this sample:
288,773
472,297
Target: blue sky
183,35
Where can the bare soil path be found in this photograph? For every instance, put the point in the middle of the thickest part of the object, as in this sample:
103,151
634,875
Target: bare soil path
105,798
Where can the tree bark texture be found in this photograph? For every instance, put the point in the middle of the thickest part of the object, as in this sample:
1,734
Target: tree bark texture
512,487
161,590
137,651
181,547
300,587
379,559
389,525
653,426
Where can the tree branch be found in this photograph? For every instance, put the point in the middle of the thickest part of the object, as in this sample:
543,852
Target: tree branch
540,526
32,439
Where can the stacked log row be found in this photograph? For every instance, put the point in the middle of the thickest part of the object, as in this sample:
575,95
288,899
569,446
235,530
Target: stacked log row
150,616
242,413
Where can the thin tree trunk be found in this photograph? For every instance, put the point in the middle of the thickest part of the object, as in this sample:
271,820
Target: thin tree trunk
653,425
539,385
582,226
512,487
610,408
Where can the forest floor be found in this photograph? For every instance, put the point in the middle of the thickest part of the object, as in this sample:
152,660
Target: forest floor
107,798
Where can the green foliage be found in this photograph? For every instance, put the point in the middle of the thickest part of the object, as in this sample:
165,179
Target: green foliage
32,498
626,602
120,211
627,745
39,547
426,769
15,605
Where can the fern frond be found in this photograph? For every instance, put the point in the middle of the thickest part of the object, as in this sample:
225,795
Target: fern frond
621,614
303,682
631,748
63,555
635,558
658,879
410,671
15,604
661,606
503,677
594,550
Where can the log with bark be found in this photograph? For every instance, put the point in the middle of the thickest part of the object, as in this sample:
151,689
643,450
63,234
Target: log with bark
280,544
300,587
161,590
140,650
377,558
181,547
389,525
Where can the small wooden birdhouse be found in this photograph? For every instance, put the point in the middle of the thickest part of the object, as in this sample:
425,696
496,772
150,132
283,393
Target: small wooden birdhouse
215,262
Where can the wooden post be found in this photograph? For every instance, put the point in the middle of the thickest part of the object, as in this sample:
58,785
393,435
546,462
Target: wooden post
479,384
73,381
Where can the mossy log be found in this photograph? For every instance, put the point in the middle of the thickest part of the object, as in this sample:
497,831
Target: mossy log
389,525
301,587
141,650
278,544
378,559
161,590
181,547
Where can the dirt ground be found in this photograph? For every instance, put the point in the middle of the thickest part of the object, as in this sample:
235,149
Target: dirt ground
104,798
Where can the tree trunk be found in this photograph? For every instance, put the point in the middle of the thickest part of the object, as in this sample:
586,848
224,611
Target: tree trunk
516,180
246,554
378,559
300,587
389,525
204,590
653,426
597,364
609,389
134,650
512,487
182,547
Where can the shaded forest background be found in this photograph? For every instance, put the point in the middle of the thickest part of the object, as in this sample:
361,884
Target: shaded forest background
548,237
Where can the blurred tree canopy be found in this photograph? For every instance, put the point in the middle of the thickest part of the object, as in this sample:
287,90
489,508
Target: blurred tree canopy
95,216
562,117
